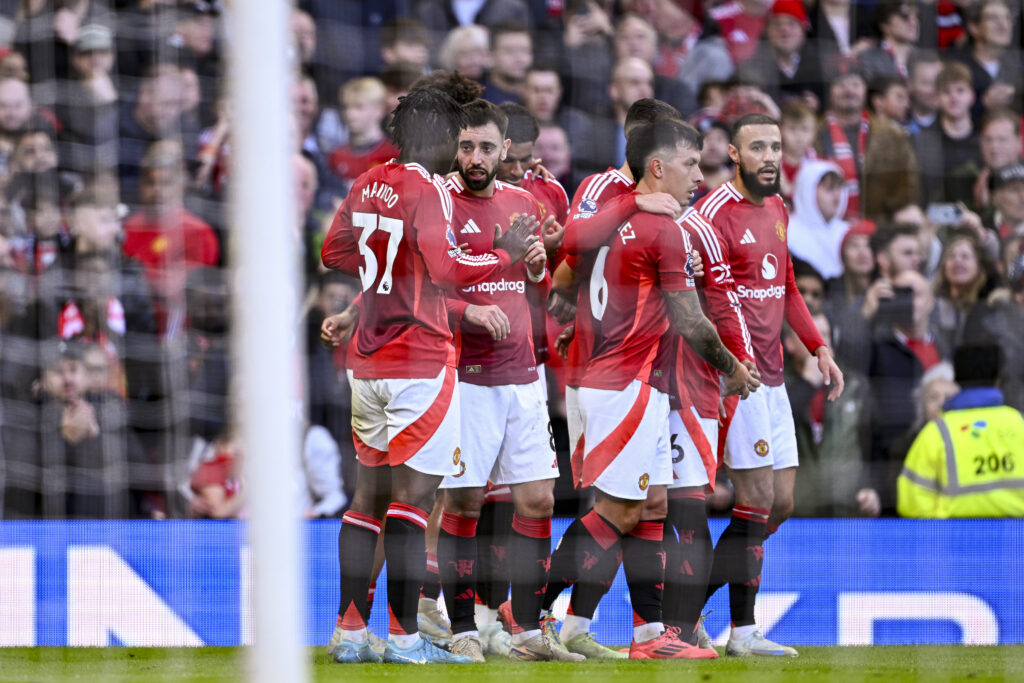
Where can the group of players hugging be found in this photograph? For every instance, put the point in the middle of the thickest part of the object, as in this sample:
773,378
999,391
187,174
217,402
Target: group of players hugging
677,313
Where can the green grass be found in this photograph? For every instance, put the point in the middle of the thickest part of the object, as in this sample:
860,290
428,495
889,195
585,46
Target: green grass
875,664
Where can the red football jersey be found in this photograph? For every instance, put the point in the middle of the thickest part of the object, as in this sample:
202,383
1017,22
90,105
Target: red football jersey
755,254
394,231
593,193
721,305
349,162
483,360
632,334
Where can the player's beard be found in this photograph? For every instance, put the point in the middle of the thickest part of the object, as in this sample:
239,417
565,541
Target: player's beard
474,184
753,183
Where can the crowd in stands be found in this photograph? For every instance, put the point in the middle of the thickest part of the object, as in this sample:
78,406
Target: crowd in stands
901,166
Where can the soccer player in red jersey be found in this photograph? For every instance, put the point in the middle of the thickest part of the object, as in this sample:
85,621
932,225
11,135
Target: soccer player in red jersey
639,282
750,219
394,231
506,441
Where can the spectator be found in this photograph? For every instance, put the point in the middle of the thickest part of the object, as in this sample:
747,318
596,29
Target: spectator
466,50
811,286
511,56
965,278
195,39
1006,186
362,107
786,64
1000,141
901,351
949,147
14,65
88,105
875,156
17,115
405,40
165,237
816,225
839,29
304,38
34,153
441,16
715,164
552,149
899,28
888,99
928,237
216,484
37,249
923,69
798,125
634,37
994,63
542,96
208,305
742,22
941,477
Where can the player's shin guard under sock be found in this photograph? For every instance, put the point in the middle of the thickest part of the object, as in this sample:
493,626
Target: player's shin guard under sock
738,560
563,570
593,585
456,555
596,546
356,543
644,562
492,576
404,535
432,579
689,563
530,546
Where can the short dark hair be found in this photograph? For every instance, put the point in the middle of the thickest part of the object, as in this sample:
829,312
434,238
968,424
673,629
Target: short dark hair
405,30
756,119
886,234
921,56
522,125
649,110
1000,114
400,76
880,85
648,139
424,118
481,112
460,88
886,10
972,13
977,364
802,268
505,27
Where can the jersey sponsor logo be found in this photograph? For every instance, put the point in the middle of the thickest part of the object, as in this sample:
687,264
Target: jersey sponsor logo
748,237
500,286
470,228
769,267
645,479
761,293
761,447
780,230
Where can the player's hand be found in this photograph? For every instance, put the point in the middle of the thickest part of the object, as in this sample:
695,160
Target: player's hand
562,342
661,203
491,318
830,372
517,239
868,502
741,381
336,328
698,264
560,308
754,372
535,259
879,289
553,234
464,248
539,170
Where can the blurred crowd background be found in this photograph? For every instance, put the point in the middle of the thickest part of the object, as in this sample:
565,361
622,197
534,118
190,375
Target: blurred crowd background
901,125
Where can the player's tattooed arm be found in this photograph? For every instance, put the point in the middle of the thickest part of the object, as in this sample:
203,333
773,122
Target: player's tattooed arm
687,316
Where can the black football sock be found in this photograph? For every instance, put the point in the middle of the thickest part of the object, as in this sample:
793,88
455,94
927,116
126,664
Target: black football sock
737,561
406,557
644,562
456,558
492,576
689,564
357,540
432,579
530,546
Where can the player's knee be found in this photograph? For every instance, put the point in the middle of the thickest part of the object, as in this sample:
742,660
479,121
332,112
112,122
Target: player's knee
781,511
464,502
656,505
539,504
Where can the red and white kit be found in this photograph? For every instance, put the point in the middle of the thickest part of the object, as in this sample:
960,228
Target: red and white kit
623,394
394,231
755,254
505,438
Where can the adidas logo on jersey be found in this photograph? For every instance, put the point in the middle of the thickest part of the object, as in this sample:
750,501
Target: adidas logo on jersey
470,228
748,237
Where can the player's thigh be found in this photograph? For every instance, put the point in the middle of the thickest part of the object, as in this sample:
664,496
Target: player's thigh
626,440
484,413
783,439
748,441
369,421
688,468
423,423
526,453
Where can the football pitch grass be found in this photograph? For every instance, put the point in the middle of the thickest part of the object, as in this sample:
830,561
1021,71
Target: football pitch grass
844,664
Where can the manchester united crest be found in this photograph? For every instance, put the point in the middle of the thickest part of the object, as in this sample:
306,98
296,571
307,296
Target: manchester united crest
780,230
761,447
457,455
645,479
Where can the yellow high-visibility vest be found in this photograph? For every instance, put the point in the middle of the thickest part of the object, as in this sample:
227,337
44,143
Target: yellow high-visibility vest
965,463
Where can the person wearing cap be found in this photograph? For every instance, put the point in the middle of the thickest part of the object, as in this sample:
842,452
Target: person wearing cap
967,462
1006,186
786,64
899,29
875,156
